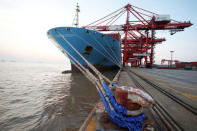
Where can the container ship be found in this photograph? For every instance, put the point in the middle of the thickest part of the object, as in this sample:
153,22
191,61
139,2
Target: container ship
101,50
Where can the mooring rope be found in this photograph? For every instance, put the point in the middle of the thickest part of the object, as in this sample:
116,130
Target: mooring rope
96,49
112,57
88,63
113,52
117,113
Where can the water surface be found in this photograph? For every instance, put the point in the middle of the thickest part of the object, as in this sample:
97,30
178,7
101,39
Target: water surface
36,96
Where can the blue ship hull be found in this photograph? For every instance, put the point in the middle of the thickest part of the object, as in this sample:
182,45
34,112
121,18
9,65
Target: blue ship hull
101,50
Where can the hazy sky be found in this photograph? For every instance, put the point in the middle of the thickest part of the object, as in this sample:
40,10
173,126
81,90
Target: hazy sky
24,23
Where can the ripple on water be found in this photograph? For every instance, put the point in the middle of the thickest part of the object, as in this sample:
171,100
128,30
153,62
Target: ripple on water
39,97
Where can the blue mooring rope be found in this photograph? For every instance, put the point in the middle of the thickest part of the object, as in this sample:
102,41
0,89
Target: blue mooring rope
118,114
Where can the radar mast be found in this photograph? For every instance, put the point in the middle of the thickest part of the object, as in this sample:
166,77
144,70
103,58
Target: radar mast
76,18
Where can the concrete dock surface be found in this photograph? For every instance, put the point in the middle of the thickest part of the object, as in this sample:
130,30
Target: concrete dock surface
167,114
180,83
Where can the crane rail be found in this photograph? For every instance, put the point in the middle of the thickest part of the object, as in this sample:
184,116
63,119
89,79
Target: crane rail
159,109
173,97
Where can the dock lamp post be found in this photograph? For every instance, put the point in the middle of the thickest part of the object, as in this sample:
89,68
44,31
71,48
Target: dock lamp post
171,56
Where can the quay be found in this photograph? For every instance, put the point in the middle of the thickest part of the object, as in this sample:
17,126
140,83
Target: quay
174,92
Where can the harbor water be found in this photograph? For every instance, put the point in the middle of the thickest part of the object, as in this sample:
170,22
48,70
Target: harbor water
37,96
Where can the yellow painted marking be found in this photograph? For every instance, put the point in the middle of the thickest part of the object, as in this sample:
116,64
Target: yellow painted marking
178,82
157,79
91,126
173,85
163,79
190,96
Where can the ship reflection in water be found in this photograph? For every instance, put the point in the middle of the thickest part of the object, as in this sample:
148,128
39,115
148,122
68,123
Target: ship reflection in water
38,97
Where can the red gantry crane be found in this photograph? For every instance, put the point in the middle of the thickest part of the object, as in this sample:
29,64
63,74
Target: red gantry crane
137,33
170,62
